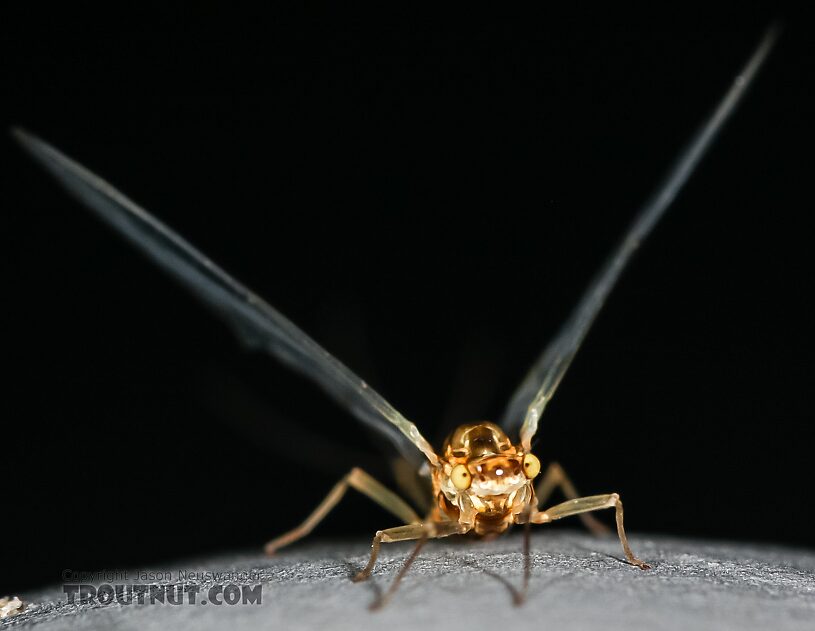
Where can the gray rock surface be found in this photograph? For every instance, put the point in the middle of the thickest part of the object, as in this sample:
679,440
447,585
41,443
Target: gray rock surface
578,582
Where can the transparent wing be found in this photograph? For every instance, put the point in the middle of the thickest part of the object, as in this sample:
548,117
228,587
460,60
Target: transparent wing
535,391
256,322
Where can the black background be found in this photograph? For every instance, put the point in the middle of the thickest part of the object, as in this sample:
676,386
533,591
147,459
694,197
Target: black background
427,197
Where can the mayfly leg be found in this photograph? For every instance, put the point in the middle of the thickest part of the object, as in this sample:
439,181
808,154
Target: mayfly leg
555,477
588,504
520,597
410,532
382,601
362,482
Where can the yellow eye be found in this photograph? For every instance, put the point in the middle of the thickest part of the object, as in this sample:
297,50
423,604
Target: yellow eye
461,477
532,466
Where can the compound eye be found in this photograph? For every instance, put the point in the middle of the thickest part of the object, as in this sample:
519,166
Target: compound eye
532,466
461,477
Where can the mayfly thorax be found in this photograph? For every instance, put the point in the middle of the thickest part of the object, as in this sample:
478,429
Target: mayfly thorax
485,477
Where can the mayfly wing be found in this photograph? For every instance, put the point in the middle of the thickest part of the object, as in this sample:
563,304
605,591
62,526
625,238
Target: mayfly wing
531,397
256,322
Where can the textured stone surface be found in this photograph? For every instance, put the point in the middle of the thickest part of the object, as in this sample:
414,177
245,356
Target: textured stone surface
578,582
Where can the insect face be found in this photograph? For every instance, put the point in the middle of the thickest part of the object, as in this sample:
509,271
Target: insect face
483,474
497,475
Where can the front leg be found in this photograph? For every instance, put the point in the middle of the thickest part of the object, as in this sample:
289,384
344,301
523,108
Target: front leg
555,477
428,530
585,505
422,532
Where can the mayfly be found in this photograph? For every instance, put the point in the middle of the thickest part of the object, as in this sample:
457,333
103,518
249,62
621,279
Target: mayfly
482,480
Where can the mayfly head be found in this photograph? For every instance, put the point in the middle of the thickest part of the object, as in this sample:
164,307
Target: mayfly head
481,471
